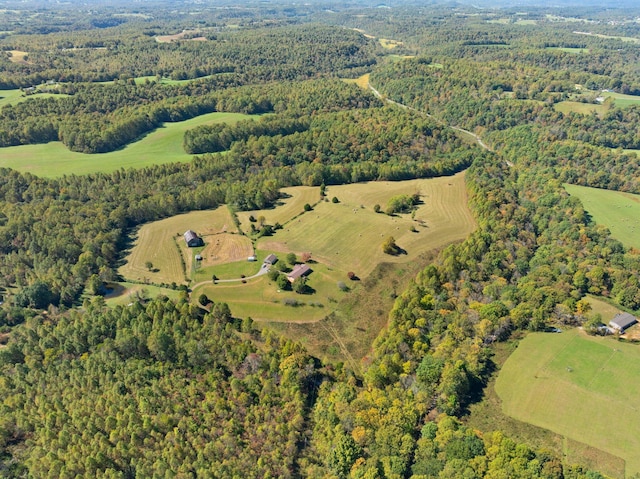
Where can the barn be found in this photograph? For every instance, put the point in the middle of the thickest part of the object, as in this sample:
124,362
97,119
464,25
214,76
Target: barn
192,239
622,322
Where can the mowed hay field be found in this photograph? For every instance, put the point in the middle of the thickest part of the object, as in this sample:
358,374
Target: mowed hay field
348,235
620,212
584,388
292,204
163,145
161,242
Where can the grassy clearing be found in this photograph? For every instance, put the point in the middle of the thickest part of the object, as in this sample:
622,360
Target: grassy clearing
362,82
611,37
622,101
161,243
163,145
569,49
125,293
604,309
261,299
620,212
581,387
348,235
579,107
13,97
389,44
18,56
292,204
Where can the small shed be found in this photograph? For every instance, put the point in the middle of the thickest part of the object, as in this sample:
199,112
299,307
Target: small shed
298,271
252,258
192,239
271,259
622,322
198,257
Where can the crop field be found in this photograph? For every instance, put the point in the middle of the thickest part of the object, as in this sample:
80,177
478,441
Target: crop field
292,204
162,244
348,235
163,145
620,212
584,388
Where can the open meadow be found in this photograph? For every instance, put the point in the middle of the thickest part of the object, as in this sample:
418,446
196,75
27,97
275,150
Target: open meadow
581,387
618,211
163,145
348,235
162,244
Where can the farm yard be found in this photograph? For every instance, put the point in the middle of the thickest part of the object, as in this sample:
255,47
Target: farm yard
580,387
342,236
163,145
348,235
618,211
162,244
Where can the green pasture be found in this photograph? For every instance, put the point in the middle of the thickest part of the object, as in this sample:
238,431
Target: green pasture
620,212
348,235
261,299
232,270
605,310
163,145
13,97
579,107
622,101
584,388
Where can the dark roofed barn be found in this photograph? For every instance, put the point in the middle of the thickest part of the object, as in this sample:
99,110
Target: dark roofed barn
298,271
192,239
271,259
622,321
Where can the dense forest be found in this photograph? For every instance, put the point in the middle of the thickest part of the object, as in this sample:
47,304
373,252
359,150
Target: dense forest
165,388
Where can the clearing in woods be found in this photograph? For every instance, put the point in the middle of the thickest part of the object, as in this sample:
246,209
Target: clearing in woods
618,211
161,243
163,145
348,235
581,387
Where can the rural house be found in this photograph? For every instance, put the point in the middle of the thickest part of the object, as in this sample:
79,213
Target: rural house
298,271
271,259
192,239
622,321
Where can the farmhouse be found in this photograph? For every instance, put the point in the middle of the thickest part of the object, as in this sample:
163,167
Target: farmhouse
622,321
192,239
298,271
271,259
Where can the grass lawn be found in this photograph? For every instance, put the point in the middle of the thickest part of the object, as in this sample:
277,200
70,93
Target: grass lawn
163,145
125,293
161,243
620,212
581,387
348,235
261,299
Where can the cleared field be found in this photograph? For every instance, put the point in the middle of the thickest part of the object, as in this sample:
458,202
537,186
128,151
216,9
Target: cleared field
13,97
292,204
569,49
18,56
163,145
225,248
261,300
604,309
620,212
348,235
162,244
612,37
389,44
579,107
581,387
125,293
622,101
362,82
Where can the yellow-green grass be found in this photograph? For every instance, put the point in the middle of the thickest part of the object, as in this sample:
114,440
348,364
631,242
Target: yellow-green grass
487,416
13,97
584,388
526,22
18,56
348,235
124,293
397,58
605,310
620,212
163,145
231,269
362,81
579,107
389,44
161,243
569,49
612,37
261,299
291,205
622,101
